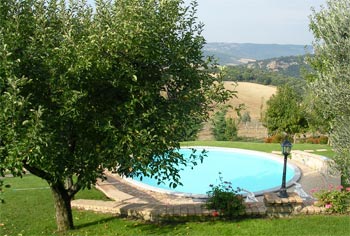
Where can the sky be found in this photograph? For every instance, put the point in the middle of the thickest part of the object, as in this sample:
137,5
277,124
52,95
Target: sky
257,21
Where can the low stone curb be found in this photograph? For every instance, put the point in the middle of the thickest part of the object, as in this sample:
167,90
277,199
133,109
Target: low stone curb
156,212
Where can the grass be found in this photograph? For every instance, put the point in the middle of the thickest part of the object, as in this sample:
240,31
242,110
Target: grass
29,210
263,147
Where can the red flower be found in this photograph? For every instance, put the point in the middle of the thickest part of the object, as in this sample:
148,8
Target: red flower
313,190
340,187
215,213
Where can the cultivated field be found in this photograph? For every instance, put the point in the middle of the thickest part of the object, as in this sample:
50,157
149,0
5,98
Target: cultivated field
254,96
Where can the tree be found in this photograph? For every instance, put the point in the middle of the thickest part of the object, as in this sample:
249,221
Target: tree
331,80
284,113
224,129
246,118
316,118
231,130
86,89
219,123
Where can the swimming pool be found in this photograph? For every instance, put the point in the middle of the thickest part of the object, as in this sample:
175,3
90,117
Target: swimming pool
254,171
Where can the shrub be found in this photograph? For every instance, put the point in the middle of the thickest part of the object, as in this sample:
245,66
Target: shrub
323,140
277,138
268,140
313,140
224,129
231,129
335,200
225,200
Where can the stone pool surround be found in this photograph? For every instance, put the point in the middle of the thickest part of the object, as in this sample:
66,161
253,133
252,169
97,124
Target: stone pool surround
316,162
129,201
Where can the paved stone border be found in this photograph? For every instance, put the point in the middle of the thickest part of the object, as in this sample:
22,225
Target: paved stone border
272,206
156,212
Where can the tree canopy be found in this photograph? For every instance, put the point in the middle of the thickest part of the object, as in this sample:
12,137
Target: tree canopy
331,80
284,112
83,89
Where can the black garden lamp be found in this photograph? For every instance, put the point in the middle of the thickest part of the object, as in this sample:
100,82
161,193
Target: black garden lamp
286,149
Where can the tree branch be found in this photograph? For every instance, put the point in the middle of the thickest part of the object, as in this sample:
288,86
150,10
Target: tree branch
38,172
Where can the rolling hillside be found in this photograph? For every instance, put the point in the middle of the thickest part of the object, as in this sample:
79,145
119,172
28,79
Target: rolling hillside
254,96
241,53
288,66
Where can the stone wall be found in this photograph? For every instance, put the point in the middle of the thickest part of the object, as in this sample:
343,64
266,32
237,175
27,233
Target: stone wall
272,206
283,207
316,162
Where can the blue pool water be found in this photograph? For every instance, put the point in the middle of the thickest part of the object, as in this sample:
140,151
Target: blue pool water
250,170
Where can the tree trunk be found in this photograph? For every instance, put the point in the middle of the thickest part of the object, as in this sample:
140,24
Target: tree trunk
62,201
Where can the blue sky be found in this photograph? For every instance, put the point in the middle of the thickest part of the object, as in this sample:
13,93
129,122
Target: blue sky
257,21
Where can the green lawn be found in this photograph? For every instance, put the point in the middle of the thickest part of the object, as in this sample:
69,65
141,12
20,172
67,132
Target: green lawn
29,210
263,147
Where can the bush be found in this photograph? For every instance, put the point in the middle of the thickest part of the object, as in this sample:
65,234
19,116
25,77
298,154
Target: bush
225,200
277,138
323,140
231,130
335,200
312,140
268,140
315,140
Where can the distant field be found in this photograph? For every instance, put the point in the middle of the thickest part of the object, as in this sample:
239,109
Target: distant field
254,96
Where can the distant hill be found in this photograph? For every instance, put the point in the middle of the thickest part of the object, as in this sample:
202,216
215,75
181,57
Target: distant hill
276,71
241,53
253,95
291,66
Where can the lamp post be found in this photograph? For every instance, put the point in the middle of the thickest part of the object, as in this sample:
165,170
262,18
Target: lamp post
286,149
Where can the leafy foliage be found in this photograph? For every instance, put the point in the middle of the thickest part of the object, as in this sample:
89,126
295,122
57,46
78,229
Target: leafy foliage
335,200
318,118
224,199
84,89
284,113
331,80
224,129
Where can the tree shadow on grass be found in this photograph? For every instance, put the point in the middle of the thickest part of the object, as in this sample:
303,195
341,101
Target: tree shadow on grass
96,222
176,225
157,229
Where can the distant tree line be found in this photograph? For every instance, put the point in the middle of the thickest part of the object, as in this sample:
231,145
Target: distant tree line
264,77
